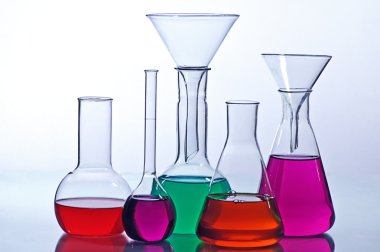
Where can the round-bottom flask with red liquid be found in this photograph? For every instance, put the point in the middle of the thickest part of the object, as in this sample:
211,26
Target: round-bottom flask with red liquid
89,200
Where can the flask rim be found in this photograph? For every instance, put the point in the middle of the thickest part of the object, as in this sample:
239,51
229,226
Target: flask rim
298,55
189,15
94,98
295,90
242,102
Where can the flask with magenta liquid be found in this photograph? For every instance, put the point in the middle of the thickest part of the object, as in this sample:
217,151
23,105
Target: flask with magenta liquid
242,217
295,169
149,214
89,200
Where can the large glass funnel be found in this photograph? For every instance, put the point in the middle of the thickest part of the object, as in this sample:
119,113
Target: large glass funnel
295,169
192,40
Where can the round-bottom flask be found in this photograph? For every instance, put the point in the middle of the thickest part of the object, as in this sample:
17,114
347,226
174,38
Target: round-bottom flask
89,200
242,217
149,214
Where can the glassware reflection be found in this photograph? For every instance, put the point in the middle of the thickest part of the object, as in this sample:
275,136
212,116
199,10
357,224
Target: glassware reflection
136,246
184,242
211,248
69,243
320,243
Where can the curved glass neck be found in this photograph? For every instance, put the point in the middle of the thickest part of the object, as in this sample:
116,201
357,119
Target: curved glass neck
94,134
192,116
295,135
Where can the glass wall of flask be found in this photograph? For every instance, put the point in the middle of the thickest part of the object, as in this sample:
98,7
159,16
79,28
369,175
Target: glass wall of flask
295,169
241,217
192,40
89,200
149,213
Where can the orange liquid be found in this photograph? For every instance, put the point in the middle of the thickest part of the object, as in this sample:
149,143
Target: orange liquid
240,220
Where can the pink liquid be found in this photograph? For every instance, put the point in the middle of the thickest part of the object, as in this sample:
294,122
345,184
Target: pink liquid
148,217
300,189
322,243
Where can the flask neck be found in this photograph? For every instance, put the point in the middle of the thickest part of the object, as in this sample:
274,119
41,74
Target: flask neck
295,135
295,104
241,121
150,122
192,116
95,126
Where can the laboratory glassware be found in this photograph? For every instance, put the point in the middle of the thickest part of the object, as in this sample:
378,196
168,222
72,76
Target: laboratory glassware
242,217
192,40
149,214
295,169
89,200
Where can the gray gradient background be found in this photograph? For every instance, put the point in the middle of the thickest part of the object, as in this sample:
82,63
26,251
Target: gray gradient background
52,52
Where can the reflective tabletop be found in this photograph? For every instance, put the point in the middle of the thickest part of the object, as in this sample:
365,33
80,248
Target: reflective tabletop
27,220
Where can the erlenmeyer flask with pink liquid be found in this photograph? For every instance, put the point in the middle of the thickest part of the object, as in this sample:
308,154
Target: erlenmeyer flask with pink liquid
295,171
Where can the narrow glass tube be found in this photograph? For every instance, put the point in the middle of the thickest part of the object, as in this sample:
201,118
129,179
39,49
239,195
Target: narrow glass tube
149,196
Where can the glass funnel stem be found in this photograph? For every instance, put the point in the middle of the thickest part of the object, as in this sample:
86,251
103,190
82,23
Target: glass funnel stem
150,122
94,138
296,107
192,114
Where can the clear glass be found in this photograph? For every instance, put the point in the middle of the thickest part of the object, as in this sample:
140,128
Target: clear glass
295,169
90,199
242,217
139,222
192,40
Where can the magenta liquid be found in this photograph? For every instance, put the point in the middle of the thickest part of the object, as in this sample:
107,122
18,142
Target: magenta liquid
320,243
300,189
148,218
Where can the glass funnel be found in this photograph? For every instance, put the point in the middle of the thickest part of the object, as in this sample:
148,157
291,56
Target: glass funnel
149,213
242,217
192,40
90,199
295,169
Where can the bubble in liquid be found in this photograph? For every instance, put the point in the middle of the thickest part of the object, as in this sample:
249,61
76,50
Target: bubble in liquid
232,193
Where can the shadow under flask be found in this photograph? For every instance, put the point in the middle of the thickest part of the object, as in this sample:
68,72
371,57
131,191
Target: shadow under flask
295,169
242,217
149,214
89,200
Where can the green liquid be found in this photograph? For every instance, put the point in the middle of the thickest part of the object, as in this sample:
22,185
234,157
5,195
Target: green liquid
188,194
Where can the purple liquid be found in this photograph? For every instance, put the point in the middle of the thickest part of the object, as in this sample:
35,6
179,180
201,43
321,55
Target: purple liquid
322,243
300,189
148,218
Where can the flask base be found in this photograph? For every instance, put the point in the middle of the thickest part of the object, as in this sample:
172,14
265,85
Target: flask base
90,216
240,220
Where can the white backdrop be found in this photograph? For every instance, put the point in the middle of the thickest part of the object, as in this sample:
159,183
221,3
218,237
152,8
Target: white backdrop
52,52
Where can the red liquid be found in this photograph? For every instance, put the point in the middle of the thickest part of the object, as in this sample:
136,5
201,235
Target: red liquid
90,216
69,243
300,188
240,220
148,217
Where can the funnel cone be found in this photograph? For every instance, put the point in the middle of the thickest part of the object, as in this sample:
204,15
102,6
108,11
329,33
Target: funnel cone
192,39
296,71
